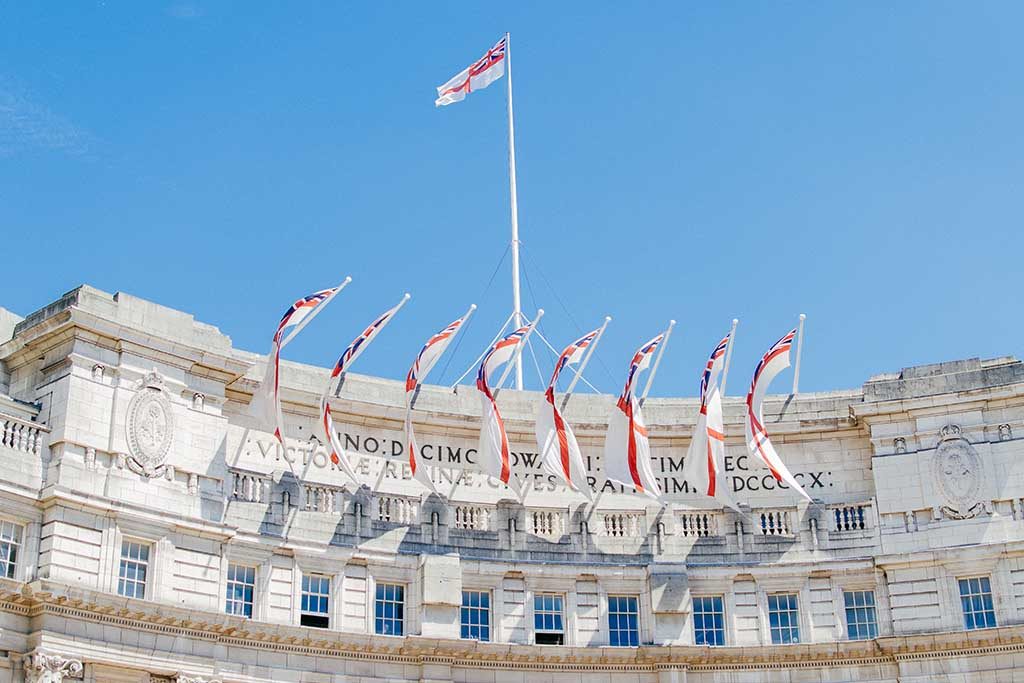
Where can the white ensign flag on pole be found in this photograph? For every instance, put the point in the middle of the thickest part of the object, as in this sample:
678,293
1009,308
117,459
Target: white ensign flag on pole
478,76
703,468
425,360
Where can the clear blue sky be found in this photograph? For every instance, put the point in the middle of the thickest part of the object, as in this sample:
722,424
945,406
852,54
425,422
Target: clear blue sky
860,162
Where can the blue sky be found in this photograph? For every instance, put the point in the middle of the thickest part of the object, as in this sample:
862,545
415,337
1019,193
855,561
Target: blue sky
860,162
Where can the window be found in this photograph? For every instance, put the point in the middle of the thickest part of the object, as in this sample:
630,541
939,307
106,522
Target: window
475,616
784,618
976,600
389,615
316,591
709,620
861,623
547,619
131,581
10,544
623,620
241,586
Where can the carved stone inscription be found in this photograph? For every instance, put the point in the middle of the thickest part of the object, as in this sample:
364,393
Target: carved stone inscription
451,464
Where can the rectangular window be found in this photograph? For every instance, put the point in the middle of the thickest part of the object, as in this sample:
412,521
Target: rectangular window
784,618
623,620
976,600
861,622
240,590
389,612
131,581
475,616
709,620
547,619
10,545
316,591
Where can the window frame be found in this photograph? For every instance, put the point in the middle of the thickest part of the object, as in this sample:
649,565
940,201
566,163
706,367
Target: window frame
228,581
11,567
693,608
633,633
974,614
480,626
872,625
792,610
402,620
127,542
559,615
325,597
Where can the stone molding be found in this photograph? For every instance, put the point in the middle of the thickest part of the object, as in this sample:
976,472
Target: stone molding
51,598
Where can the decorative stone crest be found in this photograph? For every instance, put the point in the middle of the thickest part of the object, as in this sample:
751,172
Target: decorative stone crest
45,668
198,401
1005,433
150,427
958,474
899,444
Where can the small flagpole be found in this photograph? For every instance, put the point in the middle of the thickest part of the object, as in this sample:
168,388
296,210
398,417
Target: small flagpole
518,352
517,313
474,364
799,352
728,353
312,314
583,363
657,360
362,348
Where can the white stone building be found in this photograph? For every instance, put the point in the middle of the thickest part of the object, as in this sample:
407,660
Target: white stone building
150,531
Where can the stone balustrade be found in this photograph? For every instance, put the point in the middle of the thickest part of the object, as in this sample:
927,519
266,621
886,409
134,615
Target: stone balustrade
21,435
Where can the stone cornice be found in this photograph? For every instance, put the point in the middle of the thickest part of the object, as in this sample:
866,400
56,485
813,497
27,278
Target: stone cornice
46,598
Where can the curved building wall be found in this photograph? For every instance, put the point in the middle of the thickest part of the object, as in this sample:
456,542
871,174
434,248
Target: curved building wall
151,531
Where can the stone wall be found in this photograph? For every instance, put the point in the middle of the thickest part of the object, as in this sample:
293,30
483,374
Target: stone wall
125,421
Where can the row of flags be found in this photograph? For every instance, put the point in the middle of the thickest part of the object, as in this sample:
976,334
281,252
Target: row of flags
627,451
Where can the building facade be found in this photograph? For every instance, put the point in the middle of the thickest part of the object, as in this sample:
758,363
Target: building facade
150,531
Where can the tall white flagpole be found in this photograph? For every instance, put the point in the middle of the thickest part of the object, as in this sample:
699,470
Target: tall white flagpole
799,352
517,313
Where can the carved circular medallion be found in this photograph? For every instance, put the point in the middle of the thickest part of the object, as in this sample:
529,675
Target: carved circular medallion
150,426
958,474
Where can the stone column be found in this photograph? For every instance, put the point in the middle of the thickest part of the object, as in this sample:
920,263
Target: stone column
442,595
670,602
41,667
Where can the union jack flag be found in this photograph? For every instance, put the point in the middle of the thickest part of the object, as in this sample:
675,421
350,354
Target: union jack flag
498,355
431,351
572,354
641,359
301,308
479,75
712,367
777,349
